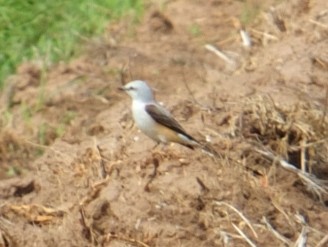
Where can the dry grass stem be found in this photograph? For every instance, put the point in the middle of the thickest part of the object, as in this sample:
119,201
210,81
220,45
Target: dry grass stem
280,209
131,241
276,233
318,23
266,35
303,159
247,42
240,215
243,235
313,184
220,54
224,236
322,242
302,239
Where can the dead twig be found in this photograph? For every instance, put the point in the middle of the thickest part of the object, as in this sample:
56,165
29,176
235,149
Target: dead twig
313,184
240,215
123,74
280,209
303,159
302,239
220,54
276,233
125,239
318,23
244,236
323,241
225,237
266,35
247,42
203,187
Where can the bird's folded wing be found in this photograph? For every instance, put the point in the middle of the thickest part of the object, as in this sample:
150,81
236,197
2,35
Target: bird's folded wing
162,117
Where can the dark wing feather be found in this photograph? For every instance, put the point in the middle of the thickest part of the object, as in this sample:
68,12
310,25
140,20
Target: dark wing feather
162,117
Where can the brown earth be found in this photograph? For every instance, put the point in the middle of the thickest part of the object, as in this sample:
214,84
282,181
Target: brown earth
76,172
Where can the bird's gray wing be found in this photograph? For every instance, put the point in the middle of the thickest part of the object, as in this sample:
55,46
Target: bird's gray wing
162,117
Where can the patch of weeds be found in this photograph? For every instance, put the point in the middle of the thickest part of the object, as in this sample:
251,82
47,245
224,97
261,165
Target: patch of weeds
42,133
68,117
41,93
50,30
13,171
27,113
60,130
195,30
39,152
66,120
6,118
250,11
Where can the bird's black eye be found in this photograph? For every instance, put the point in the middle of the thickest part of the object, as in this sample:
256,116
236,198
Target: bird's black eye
131,88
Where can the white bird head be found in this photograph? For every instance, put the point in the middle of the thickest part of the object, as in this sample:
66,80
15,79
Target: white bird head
138,90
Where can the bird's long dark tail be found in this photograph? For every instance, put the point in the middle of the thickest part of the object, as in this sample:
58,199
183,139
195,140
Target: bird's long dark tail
206,147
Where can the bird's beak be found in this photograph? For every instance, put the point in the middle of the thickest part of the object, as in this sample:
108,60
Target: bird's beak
121,88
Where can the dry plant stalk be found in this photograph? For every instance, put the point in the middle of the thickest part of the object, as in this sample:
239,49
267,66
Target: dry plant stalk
240,215
280,135
313,184
244,236
323,241
275,232
132,241
247,42
264,34
220,54
302,239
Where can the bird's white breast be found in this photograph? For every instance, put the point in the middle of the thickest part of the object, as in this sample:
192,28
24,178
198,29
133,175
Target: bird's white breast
143,120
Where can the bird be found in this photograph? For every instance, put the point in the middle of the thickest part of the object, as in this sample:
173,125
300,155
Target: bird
153,119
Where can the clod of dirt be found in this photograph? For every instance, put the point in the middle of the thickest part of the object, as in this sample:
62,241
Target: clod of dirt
18,188
96,130
22,190
28,74
158,22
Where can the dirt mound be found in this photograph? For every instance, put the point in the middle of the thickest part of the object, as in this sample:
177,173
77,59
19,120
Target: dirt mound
76,171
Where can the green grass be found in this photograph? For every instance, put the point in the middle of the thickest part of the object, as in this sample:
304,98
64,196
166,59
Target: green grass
50,30
249,12
195,30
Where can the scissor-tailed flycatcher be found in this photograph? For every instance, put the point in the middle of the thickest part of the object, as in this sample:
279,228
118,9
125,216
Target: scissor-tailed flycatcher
154,120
